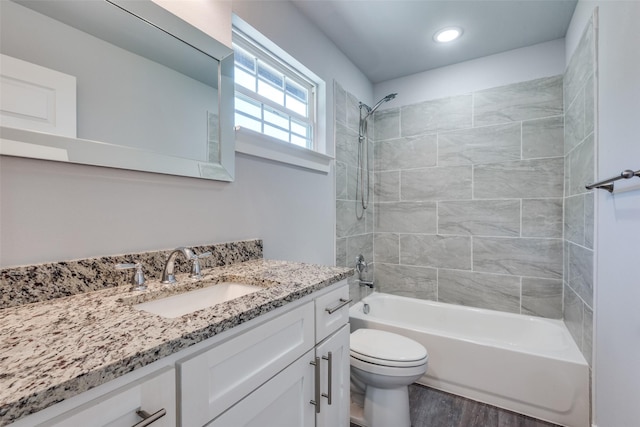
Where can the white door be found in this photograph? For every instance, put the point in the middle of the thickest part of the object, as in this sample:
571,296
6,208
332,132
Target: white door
335,383
283,401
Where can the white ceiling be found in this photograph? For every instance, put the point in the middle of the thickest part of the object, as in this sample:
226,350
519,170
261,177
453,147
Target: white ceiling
387,39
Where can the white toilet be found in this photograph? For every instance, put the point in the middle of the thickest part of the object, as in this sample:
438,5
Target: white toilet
383,365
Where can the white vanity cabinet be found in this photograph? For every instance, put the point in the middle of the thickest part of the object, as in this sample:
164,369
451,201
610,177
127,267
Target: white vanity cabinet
153,394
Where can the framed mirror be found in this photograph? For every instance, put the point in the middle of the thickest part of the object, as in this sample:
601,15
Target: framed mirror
115,83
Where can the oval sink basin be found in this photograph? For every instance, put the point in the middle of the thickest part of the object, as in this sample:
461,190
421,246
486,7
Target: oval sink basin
188,302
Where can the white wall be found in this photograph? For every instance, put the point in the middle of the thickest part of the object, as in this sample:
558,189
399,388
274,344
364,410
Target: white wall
518,65
54,211
617,287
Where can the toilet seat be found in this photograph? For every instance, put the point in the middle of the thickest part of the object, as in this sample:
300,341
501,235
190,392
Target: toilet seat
386,349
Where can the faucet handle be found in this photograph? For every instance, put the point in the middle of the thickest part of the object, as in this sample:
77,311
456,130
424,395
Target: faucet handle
195,269
137,280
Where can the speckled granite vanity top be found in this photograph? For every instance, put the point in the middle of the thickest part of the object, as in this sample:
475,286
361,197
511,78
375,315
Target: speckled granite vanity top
52,350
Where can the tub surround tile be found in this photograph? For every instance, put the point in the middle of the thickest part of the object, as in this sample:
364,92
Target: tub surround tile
574,225
35,339
543,138
436,251
406,217
540,178
436,115
359,245
542,297
581,64
522,257
341,180
353,113
581,166
589,107
573,314
341,252
542,218
387,186
574,123
406,280
42,282
346,145
581,272
406,153
387,248
587,334
439,183
386,124
520,101
589,219
479,217
347,223
487,144
494,292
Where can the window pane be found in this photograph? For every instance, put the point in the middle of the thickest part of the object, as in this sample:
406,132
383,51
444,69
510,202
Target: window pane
276,118
296,106
245,79
244,60
276,133
302,142
249,107
271,93
270,75
297,91
248,123
301,129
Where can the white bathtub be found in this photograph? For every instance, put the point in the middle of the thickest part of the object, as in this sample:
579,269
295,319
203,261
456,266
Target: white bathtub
522,363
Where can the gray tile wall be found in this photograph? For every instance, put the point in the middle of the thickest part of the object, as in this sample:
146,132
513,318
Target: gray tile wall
469,194
579,153
354,227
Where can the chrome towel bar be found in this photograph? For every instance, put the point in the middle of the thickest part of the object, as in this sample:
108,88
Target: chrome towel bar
607,183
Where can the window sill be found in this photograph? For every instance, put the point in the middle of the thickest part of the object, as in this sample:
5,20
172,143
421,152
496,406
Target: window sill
259,145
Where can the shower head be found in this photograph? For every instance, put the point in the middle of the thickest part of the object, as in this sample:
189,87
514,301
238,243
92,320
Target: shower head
373,109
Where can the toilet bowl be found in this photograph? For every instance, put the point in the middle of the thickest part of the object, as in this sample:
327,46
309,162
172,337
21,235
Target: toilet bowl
383,364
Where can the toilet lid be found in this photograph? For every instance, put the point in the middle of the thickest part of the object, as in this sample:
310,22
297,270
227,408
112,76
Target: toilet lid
385,346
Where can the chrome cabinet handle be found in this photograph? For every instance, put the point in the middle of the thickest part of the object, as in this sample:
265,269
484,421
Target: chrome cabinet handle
343,302
329,358
316,402
149,418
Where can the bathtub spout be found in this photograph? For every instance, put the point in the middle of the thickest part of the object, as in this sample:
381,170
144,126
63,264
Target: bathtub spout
366,283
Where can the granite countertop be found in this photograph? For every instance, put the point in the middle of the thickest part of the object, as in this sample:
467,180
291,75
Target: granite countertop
53,350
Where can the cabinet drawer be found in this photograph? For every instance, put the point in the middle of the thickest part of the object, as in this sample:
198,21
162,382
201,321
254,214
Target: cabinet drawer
118,408
214,380
329,318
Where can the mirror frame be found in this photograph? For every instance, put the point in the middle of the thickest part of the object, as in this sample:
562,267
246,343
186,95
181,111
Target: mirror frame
32,144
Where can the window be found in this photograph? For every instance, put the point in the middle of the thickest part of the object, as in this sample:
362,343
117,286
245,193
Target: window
271,97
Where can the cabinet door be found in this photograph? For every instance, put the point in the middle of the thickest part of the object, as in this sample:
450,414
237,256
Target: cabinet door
283,401
335,379
118,408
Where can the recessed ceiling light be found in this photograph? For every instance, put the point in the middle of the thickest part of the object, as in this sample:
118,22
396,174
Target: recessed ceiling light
448,34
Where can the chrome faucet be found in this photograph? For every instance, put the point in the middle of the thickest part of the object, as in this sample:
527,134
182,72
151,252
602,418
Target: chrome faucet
167,274
361,267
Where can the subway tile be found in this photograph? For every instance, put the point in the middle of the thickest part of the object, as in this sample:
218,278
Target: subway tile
346,145
490,291
581,64
518,256
359,245
341,180
542,297
436,251
573,314
574,219
479,217
353,113
519,179
439,183
542,218
581,167
587,335
519,101
386,247
406,217
437,115
574,123
347,224
543,138
405,280
581,272
340,102
387,186
341,252
588,219
487,144
406,153
386,124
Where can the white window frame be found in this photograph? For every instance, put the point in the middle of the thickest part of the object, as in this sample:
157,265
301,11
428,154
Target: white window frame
258,144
